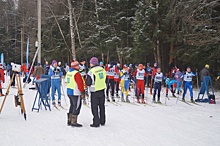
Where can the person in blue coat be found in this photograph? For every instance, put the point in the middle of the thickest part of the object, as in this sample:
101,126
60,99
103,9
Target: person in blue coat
56,74
187,79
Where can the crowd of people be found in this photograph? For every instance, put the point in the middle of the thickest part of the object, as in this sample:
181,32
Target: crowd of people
104,83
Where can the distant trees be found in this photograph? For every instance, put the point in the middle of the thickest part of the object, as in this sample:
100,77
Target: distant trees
128,31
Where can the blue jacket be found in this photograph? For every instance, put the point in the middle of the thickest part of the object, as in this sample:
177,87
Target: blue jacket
55,74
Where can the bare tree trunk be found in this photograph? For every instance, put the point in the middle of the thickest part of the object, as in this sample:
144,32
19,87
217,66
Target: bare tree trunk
108,58
22,44
119,55
155,55
71,30
103,58
158,54
171,48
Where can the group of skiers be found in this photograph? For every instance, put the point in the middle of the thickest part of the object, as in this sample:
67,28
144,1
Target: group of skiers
101,79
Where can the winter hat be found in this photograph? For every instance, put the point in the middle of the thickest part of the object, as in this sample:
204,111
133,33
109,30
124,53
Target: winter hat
74,64
59,63
125,66
54,61
94,61
207,66
82,59
101,63
38,64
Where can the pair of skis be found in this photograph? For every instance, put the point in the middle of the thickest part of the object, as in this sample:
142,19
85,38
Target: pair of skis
60,107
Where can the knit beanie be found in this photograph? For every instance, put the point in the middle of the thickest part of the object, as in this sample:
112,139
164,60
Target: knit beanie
54,61
94,61
74,64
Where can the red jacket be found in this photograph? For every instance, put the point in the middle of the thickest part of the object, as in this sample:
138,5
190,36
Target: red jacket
79,81
2,76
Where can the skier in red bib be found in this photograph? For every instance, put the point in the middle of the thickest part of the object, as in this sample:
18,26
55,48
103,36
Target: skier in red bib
140,75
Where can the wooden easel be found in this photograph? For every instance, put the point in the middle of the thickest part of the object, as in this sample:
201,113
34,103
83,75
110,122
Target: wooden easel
19,98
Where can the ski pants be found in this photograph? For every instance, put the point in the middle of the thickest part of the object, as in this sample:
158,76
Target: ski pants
110,83
178,86
157,87
98,107
117,87
75,104
188,85
55,85
140,88
124,87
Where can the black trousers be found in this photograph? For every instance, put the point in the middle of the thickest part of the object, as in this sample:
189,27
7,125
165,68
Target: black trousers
110,83
157,87
75,104
98,107
117,87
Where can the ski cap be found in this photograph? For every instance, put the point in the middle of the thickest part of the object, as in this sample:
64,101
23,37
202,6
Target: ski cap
207,66
59,63
74,64
125,66
101,63
94,61
54,61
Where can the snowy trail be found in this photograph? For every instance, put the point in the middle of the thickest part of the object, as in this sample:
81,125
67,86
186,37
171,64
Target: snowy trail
179,124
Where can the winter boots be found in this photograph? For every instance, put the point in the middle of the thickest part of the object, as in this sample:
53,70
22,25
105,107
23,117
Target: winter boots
69,119
74,121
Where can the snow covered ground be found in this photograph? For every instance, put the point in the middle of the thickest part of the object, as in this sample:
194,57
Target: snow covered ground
176,124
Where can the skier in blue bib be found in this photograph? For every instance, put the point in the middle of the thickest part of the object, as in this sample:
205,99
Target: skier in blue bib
187,79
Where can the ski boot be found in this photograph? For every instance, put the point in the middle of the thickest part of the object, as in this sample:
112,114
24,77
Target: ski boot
127,100
113,99
183,99
158,102
108,99
174,95
138,100
53,103
59,103
143,101
122,99
192,100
